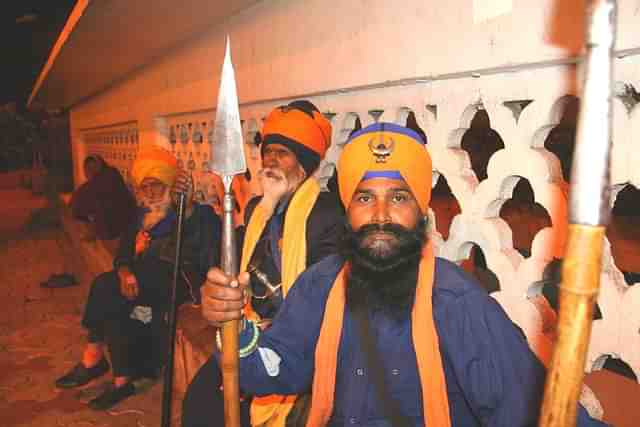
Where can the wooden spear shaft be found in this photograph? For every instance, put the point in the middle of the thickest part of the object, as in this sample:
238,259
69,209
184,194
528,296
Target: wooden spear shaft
229,360
588,215
578,293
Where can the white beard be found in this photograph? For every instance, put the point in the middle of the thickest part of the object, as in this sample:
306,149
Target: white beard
158,209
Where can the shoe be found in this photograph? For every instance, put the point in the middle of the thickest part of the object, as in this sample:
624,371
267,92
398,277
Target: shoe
81,375
112,396
60,281
143,384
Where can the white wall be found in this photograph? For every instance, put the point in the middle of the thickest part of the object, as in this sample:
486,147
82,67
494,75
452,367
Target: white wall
288,48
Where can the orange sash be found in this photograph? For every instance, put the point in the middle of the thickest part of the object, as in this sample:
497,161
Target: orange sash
425,342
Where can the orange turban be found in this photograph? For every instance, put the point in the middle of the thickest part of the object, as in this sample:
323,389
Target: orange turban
303,129
385,150
154,162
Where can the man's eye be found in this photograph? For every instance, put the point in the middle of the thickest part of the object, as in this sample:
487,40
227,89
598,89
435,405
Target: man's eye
400,197
363,198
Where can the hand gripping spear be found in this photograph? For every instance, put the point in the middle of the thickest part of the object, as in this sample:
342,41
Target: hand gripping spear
588,216
227,154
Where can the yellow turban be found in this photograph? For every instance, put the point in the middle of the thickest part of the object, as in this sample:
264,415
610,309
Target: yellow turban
154,162
385,150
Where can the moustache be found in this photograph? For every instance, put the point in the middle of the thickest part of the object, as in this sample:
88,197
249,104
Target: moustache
385,227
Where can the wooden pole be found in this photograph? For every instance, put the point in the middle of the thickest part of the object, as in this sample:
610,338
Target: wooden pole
173,309
589,211
229,360
578,293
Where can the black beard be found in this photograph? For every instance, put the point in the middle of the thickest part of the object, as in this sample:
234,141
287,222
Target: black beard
383,275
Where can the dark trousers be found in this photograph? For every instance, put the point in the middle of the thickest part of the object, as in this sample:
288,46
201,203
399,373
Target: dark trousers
136,348
203,405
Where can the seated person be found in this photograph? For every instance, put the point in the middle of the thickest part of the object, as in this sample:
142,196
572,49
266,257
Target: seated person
104,201
386,334
291,226
126,307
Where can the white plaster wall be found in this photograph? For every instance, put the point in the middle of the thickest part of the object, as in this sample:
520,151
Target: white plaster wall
328,51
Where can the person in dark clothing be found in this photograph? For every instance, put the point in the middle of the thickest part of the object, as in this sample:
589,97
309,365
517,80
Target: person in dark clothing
106,204
126,307
104,200
293,225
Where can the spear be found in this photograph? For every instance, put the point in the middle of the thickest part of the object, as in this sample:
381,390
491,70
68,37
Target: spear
227,154
172,314
588,216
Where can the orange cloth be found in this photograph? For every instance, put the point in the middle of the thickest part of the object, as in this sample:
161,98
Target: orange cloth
241,192
425,342
154,162
314,133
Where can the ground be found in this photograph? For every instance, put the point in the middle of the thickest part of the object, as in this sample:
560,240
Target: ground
40,333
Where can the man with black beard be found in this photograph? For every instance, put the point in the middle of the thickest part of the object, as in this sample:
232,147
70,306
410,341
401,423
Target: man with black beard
386,334
383,276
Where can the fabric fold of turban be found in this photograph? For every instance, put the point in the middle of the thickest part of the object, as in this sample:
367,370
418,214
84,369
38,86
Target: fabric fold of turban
385,150
306,133
154,162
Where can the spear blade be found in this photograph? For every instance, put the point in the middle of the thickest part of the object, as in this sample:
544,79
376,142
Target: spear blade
227,152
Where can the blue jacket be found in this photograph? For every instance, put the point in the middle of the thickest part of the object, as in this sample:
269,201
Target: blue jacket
493,378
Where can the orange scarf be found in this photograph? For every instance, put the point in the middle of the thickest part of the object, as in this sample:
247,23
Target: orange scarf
425,342
272,410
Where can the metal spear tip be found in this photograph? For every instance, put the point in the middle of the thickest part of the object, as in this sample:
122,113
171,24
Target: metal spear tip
227,149
601,20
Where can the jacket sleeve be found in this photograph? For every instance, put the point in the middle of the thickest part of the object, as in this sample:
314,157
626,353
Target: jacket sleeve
499,375
83,202
284,361
126,249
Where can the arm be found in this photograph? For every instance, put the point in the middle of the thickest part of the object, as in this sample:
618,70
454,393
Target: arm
83,202
284,360
291,339
126,249
500,377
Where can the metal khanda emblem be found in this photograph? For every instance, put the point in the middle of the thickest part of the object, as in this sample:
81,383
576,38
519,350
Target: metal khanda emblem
381,149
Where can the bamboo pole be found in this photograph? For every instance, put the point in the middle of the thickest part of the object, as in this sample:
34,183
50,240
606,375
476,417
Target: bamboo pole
578,293
588,216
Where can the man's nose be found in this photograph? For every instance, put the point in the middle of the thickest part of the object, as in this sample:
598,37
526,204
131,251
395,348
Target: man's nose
269,160
381,214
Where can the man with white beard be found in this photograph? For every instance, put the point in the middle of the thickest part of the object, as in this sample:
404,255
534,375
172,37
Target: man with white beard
126,307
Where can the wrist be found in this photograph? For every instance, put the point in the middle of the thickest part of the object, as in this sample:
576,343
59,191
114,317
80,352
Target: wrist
247,339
